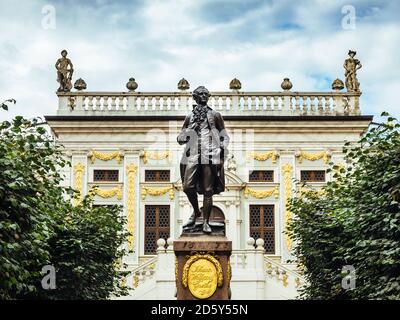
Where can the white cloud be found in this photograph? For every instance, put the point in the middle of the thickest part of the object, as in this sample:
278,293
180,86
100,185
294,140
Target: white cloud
159,42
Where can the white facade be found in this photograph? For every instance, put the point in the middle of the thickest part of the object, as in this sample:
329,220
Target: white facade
284,132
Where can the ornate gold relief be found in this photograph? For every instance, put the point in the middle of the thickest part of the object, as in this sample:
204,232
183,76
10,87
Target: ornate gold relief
156,155
285,281
229,275
202,273
261,194
157,192
326,155
131,173
108,193
287,171
263,156
135,281
105,156
123,282
79,170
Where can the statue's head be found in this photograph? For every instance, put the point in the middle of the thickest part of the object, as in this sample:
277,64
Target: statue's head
352,53
64,53
201,95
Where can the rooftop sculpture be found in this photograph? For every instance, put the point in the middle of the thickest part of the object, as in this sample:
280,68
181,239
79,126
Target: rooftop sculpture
65,69
351,66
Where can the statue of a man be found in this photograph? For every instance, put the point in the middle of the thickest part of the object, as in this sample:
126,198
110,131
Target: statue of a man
351,66
202,164
65,69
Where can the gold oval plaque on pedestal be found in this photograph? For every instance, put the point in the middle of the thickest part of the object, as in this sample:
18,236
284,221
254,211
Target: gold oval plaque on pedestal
202,279
202,273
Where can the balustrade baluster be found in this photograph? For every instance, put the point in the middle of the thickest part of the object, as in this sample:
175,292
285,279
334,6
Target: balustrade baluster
120,103
157,105
90,103
305,105
312,104
269,107
320,105
98,104
276,103
113,103
223,103
328,105
253,103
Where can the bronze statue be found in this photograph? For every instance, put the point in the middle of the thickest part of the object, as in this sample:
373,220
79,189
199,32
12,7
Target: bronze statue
202,164
351,66
65,69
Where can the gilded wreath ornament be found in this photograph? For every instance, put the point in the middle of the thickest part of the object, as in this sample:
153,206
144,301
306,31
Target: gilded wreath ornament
261,194
105,156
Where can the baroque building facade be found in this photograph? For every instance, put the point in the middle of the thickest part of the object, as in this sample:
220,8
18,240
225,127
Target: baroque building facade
122,146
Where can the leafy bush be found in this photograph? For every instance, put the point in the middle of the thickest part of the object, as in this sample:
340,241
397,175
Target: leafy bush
39,226
355,222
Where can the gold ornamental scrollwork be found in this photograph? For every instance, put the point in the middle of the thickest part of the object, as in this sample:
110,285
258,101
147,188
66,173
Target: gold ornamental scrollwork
105,156
202,274
108,193
263,156
156,155
135,281
131,173
156,192
261,194
287,171
285,281
79,170
326,155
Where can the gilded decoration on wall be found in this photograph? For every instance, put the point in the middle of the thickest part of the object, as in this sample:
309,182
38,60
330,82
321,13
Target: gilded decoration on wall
108,193
261,194
287,171
79,170
326,155
135,281
131,173
156,192
285,281
155,155
263,156
105,156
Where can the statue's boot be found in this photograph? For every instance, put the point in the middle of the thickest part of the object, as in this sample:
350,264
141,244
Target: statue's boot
192,220
206,227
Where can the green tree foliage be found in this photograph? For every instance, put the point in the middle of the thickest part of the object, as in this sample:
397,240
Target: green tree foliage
355,222
39,226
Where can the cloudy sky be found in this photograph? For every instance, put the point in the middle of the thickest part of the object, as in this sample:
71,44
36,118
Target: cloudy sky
208,42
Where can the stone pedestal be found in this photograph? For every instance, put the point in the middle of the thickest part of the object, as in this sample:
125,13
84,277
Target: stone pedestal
202,269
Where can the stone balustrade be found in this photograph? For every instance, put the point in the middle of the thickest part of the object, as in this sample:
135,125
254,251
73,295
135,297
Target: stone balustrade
232,103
